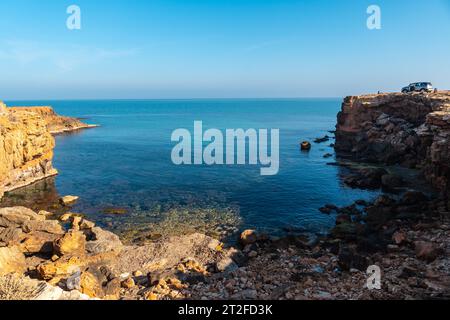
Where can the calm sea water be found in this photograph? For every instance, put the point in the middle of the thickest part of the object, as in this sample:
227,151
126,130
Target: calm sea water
127,163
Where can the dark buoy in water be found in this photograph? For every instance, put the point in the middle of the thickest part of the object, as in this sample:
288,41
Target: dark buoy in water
305,146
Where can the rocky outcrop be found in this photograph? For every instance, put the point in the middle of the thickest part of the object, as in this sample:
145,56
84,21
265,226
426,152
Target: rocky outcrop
26,149
408,129
55,123
26,144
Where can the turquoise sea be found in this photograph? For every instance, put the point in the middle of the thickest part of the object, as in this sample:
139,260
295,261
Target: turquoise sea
126,163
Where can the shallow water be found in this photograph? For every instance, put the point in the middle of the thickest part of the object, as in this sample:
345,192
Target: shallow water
127,163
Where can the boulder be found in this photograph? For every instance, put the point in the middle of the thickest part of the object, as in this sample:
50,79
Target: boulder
427,251
248,237
102,241
10,236
12,260
49,226
73,242
305,146
38,242
90,285
16,216
68,200
226,265
65,266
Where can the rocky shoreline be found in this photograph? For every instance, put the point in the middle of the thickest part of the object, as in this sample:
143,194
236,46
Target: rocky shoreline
404,232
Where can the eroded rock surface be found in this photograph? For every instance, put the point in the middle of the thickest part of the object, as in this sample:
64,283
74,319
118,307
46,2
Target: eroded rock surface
408,129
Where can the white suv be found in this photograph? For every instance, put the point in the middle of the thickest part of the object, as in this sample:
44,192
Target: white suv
418,87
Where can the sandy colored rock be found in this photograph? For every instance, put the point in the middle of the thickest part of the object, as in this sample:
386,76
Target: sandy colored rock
49,226
73,242
38,242
26,149
17,216
128,283
102,241
12,260
68,200
10,236
90,285
86,224
56,124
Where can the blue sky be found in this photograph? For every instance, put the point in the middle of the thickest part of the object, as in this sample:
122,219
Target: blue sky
219,48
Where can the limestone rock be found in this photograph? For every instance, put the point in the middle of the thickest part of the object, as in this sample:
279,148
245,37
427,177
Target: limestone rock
26,149
62,267
90,285
17,216
49,226
12,260
102,241
410,130
38,242
10,235
68,200
73,242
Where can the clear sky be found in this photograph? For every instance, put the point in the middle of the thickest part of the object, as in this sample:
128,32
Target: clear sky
220,48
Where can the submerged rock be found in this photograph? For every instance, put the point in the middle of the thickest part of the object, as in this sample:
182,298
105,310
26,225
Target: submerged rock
68,200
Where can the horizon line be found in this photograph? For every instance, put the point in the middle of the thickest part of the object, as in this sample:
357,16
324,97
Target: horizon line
144,99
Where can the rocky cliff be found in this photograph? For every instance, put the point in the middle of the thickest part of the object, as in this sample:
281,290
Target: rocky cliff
26,149
26,143
408,129
56,124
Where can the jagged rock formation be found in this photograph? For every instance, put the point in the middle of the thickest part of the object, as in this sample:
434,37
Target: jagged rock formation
26,149
26,144
56,124
408,129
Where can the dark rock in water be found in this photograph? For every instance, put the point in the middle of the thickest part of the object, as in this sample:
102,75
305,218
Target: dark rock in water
391,181
325,210
367,178
332,207
321,140
115,211
361,203
350,210
328,208
327,155
305,146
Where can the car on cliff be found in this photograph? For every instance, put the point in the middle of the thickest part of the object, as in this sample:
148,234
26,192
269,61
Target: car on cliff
418,87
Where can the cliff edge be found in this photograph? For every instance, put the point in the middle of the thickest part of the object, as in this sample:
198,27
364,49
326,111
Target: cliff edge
26,143
394,128
26,149
56,124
